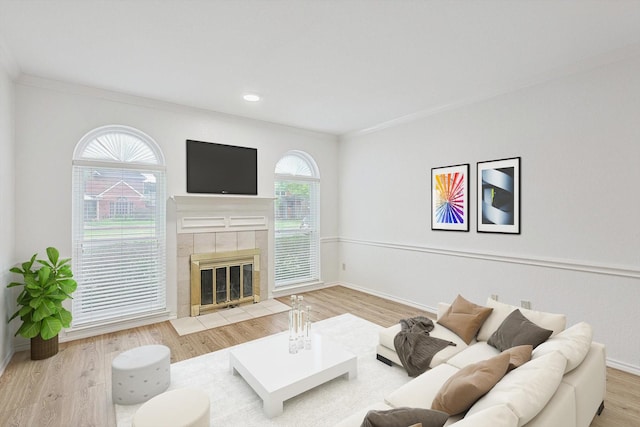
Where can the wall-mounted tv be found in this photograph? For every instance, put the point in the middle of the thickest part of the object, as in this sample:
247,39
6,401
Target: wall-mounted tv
221,169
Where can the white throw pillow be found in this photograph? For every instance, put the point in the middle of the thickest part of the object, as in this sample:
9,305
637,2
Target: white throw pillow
495,416
573,343
495,319
552,321
526,390
443,307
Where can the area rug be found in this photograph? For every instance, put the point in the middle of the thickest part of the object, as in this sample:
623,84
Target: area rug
234,403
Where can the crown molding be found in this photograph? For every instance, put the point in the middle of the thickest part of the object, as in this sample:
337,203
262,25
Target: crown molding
585,65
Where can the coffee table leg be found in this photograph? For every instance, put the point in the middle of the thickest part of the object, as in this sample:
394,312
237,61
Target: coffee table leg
232,367
353,371
272,407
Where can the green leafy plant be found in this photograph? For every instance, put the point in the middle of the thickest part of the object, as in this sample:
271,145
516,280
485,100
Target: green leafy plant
40,301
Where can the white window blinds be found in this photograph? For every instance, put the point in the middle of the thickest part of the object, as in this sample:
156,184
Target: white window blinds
297,187
118,227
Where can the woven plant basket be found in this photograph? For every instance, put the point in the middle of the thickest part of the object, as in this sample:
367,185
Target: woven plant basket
43,349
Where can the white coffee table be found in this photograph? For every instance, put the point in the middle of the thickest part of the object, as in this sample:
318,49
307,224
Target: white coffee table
275,375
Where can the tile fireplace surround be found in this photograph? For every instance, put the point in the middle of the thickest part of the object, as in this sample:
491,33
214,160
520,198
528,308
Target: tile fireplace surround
213,224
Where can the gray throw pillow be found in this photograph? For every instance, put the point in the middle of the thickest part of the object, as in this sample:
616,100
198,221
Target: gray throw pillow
517,330
404,417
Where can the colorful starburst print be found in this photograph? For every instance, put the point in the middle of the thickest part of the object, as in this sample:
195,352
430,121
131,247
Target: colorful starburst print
450,198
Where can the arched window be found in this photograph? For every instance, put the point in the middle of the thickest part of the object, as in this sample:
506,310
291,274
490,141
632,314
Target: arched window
297,218
118,226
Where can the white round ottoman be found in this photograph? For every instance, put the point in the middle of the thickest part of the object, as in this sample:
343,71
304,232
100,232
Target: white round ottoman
140,373
183,407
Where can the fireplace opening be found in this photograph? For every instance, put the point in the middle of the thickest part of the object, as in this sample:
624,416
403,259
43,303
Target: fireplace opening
224,279
229,283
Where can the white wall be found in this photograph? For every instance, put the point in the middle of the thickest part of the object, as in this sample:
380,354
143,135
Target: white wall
7,218
579,250
578,138
52,117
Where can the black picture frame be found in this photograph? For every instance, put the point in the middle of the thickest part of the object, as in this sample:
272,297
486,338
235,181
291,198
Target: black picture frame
450,198
498,196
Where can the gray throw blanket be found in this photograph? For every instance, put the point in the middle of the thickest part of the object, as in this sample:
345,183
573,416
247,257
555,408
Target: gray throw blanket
415,347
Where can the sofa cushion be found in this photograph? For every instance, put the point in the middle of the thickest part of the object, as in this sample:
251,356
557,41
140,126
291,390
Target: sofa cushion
526,390
473,354
518,356
573,343
464,318
420,391
404,417
517,330
495,416
462,390
555,322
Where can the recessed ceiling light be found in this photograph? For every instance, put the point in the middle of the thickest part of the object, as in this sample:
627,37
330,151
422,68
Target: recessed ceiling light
251,97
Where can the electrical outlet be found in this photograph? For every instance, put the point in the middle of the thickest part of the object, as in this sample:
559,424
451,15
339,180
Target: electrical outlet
344,266
525,304
494,297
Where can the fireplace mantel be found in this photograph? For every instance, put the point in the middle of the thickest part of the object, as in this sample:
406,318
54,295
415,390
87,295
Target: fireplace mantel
213,213
205,201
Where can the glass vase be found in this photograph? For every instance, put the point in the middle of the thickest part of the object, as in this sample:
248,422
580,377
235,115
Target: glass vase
307,329
293,326
300,308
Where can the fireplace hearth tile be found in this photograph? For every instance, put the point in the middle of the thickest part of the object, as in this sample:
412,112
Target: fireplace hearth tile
213,320
274,306
229,312
257,310
187,325
236,317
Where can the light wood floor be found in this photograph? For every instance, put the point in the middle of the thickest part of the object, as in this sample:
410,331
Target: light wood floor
72,389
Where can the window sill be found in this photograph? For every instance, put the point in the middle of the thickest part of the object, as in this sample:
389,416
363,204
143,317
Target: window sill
283,291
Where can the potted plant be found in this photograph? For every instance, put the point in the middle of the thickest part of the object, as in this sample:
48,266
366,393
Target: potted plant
40,302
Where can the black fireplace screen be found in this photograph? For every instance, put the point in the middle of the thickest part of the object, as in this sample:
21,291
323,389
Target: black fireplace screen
232,282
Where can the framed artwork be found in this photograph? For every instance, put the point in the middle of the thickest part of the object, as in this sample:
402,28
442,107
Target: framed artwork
450,198
499,196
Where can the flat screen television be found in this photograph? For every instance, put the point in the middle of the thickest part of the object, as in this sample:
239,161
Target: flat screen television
221,169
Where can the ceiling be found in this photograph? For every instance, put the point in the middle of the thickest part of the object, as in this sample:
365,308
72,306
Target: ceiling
336,66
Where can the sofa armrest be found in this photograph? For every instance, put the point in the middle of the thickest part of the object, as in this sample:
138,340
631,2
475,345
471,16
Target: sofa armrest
589,381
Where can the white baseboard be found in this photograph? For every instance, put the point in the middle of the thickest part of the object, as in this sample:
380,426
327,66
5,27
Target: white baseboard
6,360
298,288
623,366
92,331
72,334
433,310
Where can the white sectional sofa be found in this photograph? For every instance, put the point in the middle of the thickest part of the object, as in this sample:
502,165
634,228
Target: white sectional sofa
563,384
